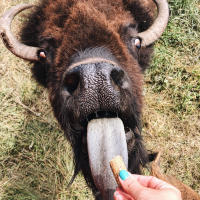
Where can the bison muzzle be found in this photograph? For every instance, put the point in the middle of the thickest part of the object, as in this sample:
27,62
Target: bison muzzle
91,56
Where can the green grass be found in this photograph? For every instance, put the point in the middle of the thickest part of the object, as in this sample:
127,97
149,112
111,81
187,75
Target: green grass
35,158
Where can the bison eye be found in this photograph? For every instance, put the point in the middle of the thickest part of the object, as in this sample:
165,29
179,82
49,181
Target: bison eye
137,43
71,82
42,55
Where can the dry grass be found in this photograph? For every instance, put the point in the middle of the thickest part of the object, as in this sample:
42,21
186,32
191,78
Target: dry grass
35,159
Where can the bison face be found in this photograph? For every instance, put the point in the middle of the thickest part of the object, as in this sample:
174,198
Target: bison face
93,72
97,87
96,93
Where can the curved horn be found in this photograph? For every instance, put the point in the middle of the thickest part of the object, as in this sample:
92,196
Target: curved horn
157,28
10,41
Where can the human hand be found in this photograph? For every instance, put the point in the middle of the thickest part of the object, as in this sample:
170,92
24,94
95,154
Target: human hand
137,187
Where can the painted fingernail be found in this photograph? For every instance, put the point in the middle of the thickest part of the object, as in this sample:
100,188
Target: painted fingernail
123,174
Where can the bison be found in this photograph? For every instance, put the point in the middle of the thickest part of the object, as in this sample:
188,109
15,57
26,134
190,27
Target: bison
91,55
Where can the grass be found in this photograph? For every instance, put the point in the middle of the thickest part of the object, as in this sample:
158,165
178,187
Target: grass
35,158
172,94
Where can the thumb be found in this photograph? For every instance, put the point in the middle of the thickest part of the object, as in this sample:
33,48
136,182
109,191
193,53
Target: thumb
130,184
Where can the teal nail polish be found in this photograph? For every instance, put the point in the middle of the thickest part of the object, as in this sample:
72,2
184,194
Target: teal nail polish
123,174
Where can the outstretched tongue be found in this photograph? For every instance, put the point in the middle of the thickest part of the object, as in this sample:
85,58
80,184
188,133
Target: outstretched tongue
105,140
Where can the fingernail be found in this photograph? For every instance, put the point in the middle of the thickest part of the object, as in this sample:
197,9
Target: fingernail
123,174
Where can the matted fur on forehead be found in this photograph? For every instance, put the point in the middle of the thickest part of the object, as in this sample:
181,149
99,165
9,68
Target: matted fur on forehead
51,20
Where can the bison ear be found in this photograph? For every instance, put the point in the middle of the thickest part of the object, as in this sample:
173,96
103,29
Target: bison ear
152,156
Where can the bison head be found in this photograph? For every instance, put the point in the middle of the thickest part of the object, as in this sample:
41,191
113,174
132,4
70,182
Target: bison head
91,59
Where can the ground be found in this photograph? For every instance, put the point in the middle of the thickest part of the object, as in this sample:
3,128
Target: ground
35,158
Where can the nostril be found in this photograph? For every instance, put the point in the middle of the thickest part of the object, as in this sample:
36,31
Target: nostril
117,76
71,82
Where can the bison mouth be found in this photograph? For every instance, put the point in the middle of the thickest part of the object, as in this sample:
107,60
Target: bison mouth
106,138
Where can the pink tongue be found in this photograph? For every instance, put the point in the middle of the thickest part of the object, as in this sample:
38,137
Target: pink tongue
105,140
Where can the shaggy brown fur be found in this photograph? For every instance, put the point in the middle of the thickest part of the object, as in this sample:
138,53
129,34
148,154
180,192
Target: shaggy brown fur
81,24
64,28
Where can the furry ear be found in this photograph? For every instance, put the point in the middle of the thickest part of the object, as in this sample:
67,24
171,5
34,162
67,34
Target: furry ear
152,156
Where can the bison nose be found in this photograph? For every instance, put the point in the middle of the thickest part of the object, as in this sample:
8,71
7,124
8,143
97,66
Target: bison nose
94,76
117,75
71,81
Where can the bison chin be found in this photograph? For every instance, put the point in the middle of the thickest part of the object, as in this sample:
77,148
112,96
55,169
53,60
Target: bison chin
105,140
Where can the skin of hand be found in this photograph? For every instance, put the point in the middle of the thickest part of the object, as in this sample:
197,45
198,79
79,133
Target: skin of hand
138,187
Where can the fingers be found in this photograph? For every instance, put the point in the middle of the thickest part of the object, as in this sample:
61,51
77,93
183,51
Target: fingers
153,182
138,186
120,195
129,184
